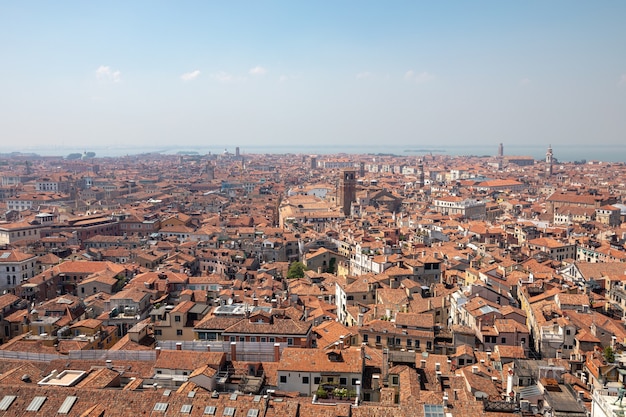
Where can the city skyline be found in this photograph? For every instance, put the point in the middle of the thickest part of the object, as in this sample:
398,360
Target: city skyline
278,73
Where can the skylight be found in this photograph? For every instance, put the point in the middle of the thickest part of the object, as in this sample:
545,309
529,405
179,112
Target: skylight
160,407
36,403
67,404
6,402
433,410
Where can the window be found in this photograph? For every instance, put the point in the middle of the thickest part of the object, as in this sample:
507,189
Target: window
289,341
305,379
377,339
283,379
408,342
242,338
417,344
177,319
316,380
233,338
429,345
503,340
160,406
568,332
343,381
179,332
253,338
394,380
354,381
365,338
158,332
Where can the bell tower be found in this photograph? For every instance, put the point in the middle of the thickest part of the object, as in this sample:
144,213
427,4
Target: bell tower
549,161
347,190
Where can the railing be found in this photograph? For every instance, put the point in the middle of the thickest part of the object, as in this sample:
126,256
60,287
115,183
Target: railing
117,355
605,399
245,351
30,356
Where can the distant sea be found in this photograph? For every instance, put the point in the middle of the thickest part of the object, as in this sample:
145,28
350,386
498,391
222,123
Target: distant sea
565,153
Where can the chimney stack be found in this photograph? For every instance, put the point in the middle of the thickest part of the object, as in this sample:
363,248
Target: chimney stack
179,346
276,352
233,351
341,342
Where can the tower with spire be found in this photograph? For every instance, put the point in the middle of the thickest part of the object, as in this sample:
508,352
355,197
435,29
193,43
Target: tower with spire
549,161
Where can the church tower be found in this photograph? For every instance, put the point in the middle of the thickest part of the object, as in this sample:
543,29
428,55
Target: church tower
420,173
549,161
210,171
347,190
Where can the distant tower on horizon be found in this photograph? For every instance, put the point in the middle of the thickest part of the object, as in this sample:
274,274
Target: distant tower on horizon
210,171
313,162
347,190
237,152
500,150
361,169
549,161
420,173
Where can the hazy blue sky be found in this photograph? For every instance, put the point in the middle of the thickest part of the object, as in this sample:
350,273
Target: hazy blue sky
264,72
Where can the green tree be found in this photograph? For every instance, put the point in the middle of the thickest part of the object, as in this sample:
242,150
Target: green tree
296,270
609,355
331,265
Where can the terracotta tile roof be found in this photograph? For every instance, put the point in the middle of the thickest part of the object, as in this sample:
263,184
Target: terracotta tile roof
188,360
306,360
279,326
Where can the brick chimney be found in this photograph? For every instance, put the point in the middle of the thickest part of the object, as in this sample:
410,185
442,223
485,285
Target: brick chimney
179,346
233,351
276,352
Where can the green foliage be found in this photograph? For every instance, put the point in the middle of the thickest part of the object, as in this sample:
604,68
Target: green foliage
340,392
609,355
321,392
296,270
331,265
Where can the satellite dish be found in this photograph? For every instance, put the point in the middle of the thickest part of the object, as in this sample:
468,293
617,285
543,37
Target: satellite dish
229,301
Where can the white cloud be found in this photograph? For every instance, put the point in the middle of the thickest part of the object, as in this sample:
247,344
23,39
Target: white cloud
364,75
418,77
525,81
104,73
190,76
622,80
258,70
225,77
